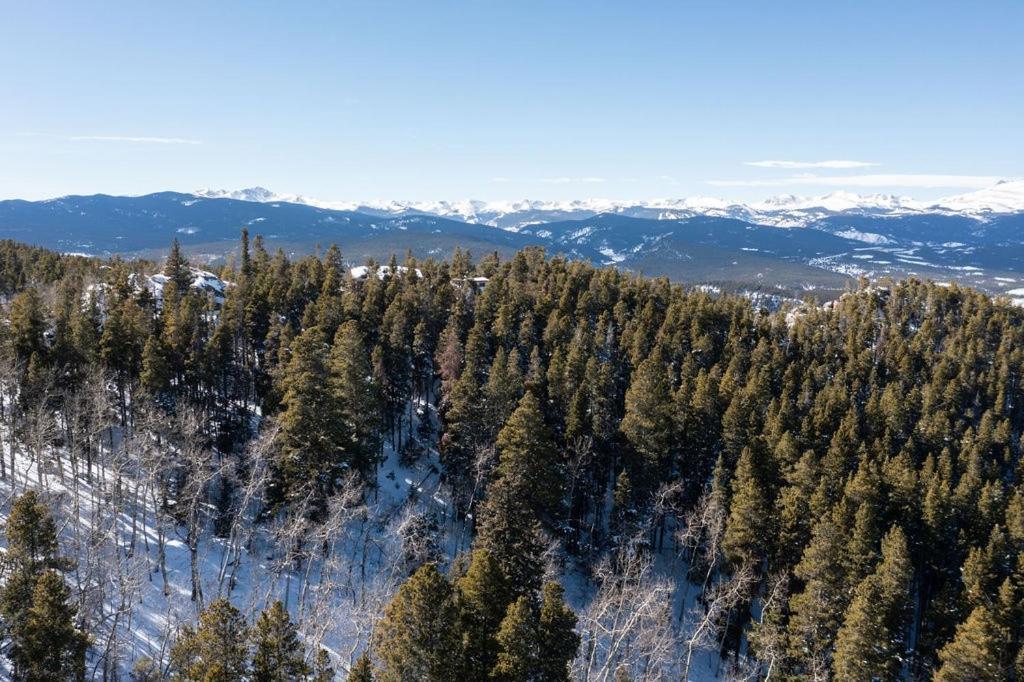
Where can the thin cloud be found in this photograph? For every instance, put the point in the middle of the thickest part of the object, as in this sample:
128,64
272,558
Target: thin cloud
132,139
792,165
568,180
920,180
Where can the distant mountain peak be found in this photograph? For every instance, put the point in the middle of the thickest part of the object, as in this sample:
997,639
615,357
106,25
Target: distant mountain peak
258,194
1006,196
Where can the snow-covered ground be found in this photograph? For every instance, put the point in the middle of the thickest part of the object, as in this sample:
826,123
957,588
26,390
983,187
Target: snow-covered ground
135,584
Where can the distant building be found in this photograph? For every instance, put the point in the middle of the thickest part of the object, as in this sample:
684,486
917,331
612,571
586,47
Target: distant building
477,284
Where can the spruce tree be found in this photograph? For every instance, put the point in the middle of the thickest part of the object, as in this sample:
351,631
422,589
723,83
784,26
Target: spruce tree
625,515
27,324
323,671
871,642
974,652
356,395
32,553
50,646
558,640
483,595
418,636
648,422
312,433
748,529
214,651
518,644
817,611
176,268
510,532
156,370
528,460
362,670
278,654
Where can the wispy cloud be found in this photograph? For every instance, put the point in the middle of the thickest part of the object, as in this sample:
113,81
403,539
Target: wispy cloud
132,139
567,180
922,180
792,165
500,178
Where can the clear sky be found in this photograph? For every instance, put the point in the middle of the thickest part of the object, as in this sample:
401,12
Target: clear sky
492,99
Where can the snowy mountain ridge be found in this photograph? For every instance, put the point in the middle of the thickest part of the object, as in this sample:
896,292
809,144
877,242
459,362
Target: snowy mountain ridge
785,210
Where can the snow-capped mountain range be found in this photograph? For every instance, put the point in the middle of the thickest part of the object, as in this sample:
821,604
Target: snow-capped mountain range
785,210
801,243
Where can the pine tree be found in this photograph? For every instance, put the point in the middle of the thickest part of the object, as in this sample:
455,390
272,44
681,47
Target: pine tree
418,637
871,642
509,531
748,529
483,595
323,671
278,654
793,510
48,647
502,391
624,521
357,396
32,553
974,652
156,370
518,650
817,611
215,651
649,418
362,670
176,268
312,433
558,640
27,324
463,434
527,460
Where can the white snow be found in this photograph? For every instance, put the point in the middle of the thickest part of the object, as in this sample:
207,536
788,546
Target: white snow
383,271
786,210
866,237
1003,197
611,254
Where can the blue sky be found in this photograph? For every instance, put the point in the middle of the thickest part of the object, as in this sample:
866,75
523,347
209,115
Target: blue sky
502,100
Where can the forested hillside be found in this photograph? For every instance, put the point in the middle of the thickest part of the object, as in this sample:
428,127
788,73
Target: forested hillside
522,469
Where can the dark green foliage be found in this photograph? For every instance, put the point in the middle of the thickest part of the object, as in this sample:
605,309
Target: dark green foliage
277,652
418,636
362,670
558,641
871,642
313,437
38,622
48,645
483,595
215,650
357,397
177,269
518,651
527,460
975,651
511,534
749,528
